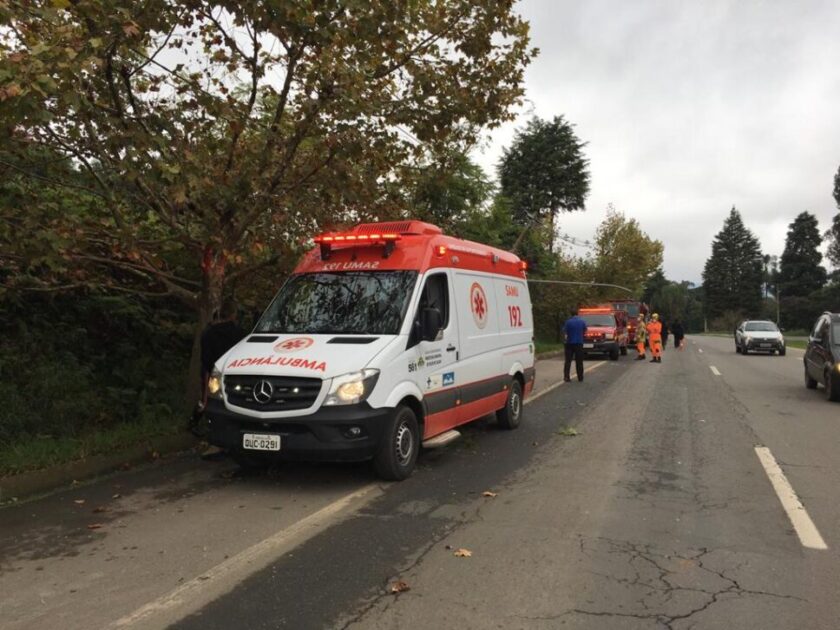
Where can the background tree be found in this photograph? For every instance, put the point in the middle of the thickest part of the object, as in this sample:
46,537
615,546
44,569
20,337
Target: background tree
217,135
544,172
733,273
452,193
832,235
800,271
624,254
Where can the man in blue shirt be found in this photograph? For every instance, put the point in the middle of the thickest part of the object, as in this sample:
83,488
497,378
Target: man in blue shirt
574,328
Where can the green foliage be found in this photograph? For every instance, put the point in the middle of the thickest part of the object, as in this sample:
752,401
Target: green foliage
544,172
832,235
733,273
624,254
451,193
800,272
75,364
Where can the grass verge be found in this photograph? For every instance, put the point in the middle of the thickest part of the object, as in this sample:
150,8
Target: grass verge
542,347
45,451
796,343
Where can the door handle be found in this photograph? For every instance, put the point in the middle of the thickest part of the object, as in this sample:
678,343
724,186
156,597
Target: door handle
451,349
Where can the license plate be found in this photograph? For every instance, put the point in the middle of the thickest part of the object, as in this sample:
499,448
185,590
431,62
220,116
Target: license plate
261,442
767,345
589,345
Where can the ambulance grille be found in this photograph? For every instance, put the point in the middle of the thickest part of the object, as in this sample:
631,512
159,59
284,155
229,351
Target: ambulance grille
286,393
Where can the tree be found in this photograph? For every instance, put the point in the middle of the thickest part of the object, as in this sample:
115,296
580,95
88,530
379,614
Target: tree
544,172
800,272
217,135
451,193
733,273
832,235
624,254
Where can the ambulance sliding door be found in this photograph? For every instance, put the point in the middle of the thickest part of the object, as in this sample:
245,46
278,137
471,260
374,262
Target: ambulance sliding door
478,326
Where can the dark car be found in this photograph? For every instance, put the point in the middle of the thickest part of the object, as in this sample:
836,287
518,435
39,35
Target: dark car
822,357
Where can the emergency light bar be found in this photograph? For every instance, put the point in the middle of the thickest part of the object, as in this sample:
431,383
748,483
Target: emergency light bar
327,241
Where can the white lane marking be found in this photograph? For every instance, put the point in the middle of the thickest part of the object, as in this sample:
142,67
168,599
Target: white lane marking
551,388
699,349
245,562
808,533
714,370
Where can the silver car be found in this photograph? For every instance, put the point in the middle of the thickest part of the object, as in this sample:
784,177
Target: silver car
759,336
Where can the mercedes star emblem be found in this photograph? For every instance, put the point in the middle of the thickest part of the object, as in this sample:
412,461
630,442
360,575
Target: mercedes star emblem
263,391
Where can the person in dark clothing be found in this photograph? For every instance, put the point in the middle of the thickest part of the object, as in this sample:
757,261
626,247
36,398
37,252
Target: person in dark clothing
665,332
574,329
679,333
216,340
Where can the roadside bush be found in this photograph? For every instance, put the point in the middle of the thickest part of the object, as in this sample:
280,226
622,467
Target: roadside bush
71,365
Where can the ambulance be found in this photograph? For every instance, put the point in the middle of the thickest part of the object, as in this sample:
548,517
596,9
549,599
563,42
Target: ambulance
385,339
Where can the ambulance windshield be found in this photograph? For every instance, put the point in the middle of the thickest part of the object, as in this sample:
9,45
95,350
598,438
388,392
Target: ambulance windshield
346,303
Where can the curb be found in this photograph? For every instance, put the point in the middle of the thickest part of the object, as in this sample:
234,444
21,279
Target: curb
36,482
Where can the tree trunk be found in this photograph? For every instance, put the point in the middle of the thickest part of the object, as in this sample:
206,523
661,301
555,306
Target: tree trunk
209,303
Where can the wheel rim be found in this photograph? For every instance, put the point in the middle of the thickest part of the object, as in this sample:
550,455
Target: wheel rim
404,444
515,404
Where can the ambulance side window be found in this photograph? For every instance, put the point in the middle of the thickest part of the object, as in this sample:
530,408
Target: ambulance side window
435,294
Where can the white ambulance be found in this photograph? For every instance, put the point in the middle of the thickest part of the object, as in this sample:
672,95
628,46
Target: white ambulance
385,338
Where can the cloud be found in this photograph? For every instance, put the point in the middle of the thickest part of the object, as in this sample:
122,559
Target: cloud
690,108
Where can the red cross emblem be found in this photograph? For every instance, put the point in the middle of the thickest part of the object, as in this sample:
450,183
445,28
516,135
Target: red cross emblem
478,305
293,345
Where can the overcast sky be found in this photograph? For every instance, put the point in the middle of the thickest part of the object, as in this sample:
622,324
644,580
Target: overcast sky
689,108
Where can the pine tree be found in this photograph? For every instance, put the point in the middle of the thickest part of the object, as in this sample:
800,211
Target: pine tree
801,273
832,235
733,273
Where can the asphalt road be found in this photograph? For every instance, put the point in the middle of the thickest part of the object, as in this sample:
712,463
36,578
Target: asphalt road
637,499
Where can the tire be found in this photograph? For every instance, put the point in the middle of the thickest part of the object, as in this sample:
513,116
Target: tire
509,416
624,351
832,386
744,350
737,348
614,354
810,383
397,454
782,351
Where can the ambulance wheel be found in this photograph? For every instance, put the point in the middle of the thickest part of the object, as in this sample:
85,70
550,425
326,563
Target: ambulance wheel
510,415
400,445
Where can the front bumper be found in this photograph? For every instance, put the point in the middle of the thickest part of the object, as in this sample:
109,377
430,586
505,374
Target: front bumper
764,345
321,436
600,347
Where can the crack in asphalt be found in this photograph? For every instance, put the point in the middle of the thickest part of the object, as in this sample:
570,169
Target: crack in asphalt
661,585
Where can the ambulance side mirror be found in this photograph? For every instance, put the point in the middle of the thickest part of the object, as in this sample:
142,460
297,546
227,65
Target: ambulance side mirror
431,321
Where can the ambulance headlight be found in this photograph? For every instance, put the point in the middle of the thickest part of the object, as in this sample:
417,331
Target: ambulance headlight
214,384
353,388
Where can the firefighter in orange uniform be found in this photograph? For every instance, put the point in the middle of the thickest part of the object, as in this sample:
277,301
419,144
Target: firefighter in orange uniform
641,338
654,330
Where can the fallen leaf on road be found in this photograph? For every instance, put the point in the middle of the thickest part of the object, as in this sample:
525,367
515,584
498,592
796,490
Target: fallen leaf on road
399,587
569,431
463,553
489,494
79,501
95,526
100,509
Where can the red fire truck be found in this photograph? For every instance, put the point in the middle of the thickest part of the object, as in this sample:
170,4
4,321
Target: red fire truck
606,330
634,310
